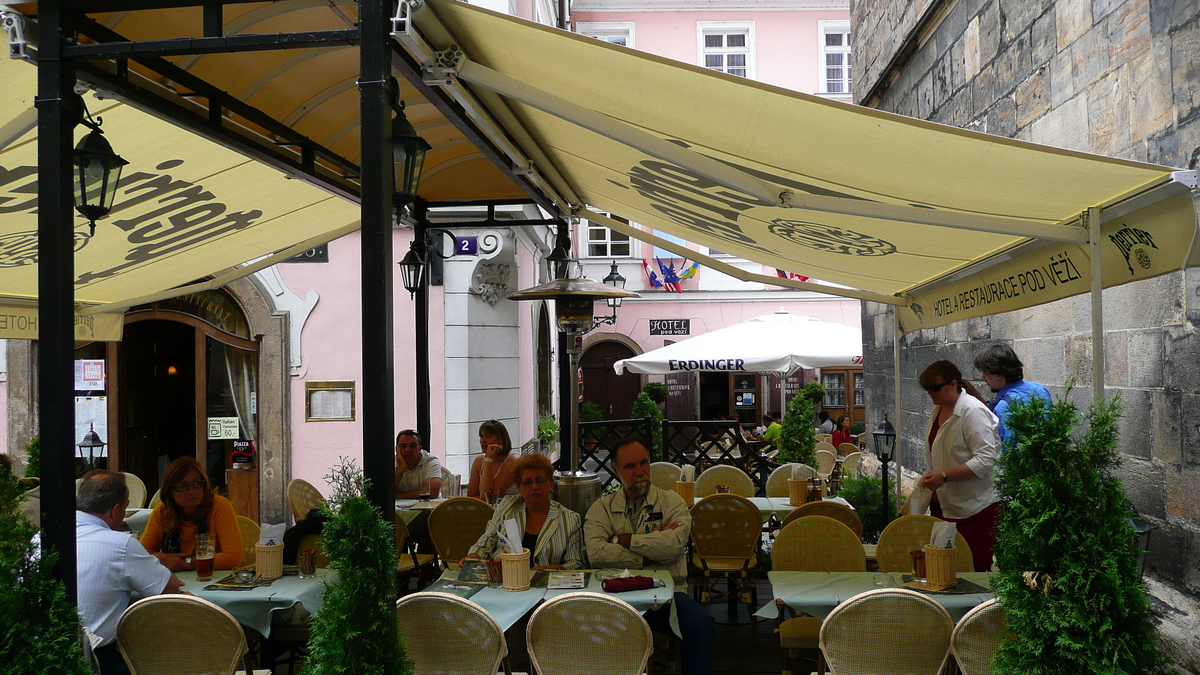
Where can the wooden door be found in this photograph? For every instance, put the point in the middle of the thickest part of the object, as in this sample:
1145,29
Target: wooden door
601,384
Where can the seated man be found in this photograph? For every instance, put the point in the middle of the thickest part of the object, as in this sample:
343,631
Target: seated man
111,564
643,527
414,466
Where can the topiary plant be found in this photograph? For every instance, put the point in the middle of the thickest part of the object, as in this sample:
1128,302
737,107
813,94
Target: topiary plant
1070,585
355,630
643,406
657,391
39,628
799,436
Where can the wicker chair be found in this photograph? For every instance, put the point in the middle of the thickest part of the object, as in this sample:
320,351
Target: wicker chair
409,563
839,512
908,533
303,497
722,474
448,634
777,482
250,532
607,637
148,632
812,544
976,638
846,448
904,626
455,525
825,445
155,499
826,460
314,542
663,475
137,490
850,464
825,438
725,535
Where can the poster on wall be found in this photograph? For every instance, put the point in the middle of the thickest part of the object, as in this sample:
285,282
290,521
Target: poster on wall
89,374
91,412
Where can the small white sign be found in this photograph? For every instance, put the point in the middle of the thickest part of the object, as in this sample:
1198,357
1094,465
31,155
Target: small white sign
89,374
220,428
254,403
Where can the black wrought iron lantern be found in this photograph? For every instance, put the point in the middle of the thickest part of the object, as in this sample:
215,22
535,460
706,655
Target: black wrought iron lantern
559,263
97,175
91,441
412,269
408,155
617,281
884,438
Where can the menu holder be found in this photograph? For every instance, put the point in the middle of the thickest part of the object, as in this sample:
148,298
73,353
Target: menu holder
461,589
515,573
939,566
473,572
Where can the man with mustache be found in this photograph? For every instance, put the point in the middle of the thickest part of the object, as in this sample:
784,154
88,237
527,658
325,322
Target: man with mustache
643,527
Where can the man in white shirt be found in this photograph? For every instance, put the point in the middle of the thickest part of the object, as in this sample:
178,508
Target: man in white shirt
110,564
414,466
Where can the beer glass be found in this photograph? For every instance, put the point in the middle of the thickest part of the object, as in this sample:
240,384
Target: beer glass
206,549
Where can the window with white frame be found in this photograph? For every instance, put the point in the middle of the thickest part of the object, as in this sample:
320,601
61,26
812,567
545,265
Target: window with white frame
834,43
616,32
727,47
602,242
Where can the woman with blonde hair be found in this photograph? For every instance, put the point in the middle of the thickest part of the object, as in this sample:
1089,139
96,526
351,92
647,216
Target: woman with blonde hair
190,507
492,472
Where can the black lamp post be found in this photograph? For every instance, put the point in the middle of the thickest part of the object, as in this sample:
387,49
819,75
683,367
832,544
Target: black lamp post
408,154
97,174
884,437
617,281
91,441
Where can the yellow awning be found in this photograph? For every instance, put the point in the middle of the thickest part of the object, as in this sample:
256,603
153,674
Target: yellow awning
954,223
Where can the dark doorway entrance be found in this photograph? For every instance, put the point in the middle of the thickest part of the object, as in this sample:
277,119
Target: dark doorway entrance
714,395
157,385
601,384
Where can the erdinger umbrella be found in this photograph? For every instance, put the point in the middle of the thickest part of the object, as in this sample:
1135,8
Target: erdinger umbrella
775,343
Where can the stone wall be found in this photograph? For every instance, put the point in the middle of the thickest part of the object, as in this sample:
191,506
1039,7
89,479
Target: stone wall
1119,78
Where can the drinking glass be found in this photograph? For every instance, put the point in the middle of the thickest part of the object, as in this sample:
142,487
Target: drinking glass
206,549
424,492
306,562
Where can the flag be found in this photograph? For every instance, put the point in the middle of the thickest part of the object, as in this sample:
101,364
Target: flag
790,275
670,279
690,272
654,282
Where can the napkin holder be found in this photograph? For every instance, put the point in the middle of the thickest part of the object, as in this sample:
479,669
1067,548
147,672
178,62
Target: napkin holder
268,561
797,492
515,570
687,491
939,567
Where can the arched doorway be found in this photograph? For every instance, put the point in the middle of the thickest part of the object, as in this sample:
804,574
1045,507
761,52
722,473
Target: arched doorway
601,384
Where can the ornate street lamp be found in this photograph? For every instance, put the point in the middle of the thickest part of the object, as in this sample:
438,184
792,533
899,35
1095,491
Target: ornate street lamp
91,441
884,438
408,154
97,173
617,281
412,268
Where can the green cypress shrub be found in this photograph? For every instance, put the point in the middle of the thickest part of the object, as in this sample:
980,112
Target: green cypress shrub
865,494
355,631
1068,555
799,436
644,406
39,628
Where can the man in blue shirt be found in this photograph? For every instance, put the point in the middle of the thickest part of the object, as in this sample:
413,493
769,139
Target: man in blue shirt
1005,375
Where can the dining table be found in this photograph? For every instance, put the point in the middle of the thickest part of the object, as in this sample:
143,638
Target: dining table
136,520
411,509
781,506
253,607
817,593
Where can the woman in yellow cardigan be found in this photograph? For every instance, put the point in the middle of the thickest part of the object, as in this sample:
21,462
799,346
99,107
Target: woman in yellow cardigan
190,507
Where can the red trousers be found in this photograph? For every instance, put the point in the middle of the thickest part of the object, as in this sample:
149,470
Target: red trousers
979,530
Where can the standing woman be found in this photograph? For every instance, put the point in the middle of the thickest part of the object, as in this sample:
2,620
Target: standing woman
963,448
189,507
492,472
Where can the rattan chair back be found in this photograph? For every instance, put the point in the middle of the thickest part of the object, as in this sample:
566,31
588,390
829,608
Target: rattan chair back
455,525
826,460
250,532
663,475
303,497
839,512
149,632
827,439
155,499
977,636
777,482
607,636
887,630
738,482
817,544
137,490
850,464
909,533
726,527
314,542
846,448
447,634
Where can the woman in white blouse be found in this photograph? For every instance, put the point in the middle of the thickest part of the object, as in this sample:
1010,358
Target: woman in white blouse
963,448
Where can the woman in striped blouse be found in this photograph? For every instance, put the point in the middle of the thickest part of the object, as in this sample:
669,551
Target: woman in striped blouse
551,532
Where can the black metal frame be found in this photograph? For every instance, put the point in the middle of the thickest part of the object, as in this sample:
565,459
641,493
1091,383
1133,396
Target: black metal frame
603,437
696,442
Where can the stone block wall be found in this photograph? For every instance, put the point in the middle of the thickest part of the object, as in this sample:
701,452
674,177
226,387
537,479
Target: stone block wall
1114,77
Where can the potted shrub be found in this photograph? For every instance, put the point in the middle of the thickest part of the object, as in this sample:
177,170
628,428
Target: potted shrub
799,436
644,406
547,431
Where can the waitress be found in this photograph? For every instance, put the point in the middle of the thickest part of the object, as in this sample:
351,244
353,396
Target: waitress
963,448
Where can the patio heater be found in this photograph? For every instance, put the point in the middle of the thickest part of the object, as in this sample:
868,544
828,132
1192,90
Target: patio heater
884,438
574,299
91,441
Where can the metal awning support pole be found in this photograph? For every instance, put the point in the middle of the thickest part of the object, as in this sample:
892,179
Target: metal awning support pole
58,113
378,184
896,414
1093,224
421,329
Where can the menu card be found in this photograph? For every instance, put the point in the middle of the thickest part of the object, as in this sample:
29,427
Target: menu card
473,572
462,590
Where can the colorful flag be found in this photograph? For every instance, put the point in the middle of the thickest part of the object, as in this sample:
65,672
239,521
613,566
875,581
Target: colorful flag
690,271
654,282
790,275
670,279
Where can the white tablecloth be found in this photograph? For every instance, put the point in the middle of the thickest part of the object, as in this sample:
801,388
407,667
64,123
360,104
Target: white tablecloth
136,519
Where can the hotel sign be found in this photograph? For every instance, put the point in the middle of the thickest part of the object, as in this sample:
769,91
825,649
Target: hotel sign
670,326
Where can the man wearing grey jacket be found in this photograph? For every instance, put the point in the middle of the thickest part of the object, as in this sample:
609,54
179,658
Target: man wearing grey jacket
643,527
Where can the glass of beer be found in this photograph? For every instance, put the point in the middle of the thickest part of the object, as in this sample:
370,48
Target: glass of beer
424,492
206,549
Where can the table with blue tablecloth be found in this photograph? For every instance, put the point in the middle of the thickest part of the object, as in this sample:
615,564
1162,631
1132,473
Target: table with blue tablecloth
253,607
817,593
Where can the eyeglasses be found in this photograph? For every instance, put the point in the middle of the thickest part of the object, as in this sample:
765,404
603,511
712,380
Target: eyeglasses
197,484
933,388
530,482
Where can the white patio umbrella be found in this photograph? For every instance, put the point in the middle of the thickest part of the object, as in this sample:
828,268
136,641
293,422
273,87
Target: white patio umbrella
775,343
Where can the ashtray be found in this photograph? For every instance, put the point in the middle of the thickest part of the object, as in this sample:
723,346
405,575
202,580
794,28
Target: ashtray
244,575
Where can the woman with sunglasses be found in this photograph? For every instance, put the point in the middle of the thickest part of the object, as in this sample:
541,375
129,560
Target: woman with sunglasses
964,445
492,472
189,507
551,532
